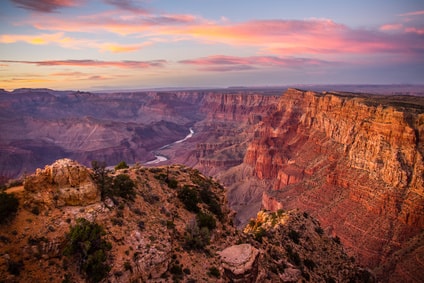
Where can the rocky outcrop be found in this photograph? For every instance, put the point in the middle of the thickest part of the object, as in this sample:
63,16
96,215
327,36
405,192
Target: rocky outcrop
355,162
65,182
240,263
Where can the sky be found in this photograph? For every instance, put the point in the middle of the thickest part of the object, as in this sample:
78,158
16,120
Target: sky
139,44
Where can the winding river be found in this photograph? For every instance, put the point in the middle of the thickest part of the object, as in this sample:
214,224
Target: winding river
161,158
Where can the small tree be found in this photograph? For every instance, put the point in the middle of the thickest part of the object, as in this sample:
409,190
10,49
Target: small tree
101,176
8,206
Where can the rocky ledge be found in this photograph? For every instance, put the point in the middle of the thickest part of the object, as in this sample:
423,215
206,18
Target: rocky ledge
65,182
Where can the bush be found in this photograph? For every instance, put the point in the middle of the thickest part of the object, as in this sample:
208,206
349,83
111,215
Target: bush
310,264
121,165
85,242
336,239
196,237
259,234
172,183
15,267
214,272
123,186
206,220
208,197
189,198
8,206
294,235
319,230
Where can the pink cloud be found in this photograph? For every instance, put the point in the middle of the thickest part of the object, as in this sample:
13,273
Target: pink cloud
93,63
126,5
73,43
419,31
113,22
45,6
391,27
234,63
414,13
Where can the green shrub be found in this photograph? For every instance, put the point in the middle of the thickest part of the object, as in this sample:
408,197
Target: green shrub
172,183
293,256
8,206
15,267
295,236
259,234
310,264
196,237
336,239
176,269
319,230
123,186
121,165
206,220
189,198
214,272
85,242
209,198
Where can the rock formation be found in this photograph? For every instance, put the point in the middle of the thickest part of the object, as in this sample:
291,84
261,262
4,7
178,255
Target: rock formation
65,182
240,263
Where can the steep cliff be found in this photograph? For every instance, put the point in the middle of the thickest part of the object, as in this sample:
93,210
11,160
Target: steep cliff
228,127
355,162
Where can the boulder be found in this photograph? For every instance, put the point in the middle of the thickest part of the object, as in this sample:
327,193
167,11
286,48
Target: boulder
240,263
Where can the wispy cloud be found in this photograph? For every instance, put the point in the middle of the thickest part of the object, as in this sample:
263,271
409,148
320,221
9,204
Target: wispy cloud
93,63
121,48
60,39
45,6
122,23
128,5
235,63
413,13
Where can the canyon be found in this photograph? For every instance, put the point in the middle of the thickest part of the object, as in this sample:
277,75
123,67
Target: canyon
353,161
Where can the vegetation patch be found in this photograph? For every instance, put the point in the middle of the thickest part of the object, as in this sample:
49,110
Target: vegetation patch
8,207
86,244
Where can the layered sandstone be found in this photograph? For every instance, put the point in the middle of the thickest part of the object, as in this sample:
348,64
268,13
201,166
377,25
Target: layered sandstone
354,162
62,183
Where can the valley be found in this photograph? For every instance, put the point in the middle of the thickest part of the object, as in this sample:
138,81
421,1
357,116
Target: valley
352,161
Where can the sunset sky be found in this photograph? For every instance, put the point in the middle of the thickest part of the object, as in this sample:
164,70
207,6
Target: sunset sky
129,44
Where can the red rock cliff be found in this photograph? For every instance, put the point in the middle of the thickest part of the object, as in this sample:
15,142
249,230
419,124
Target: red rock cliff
353,163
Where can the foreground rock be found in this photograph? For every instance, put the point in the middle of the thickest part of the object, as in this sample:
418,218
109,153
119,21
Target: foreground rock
65,182
240,263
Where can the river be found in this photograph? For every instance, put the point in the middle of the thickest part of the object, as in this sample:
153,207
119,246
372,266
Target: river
161,158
